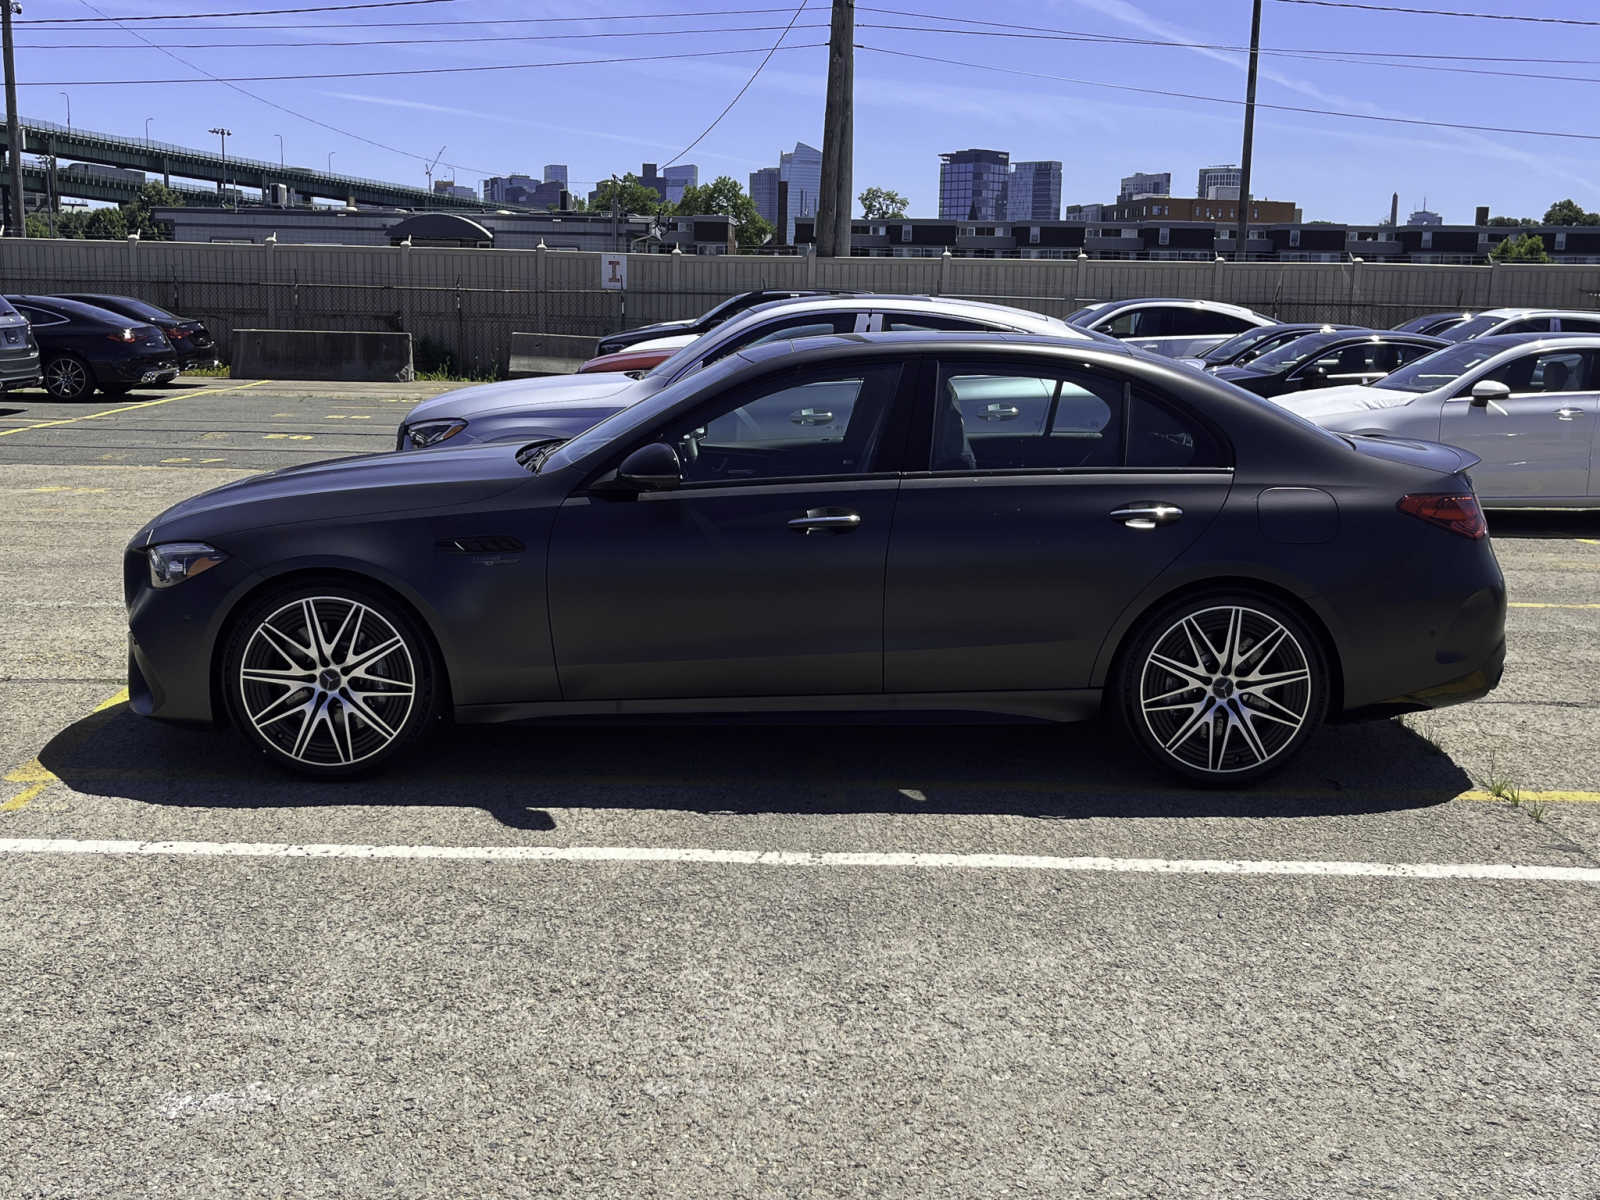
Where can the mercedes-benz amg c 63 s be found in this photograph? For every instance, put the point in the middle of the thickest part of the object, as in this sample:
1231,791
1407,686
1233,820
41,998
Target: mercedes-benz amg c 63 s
986,523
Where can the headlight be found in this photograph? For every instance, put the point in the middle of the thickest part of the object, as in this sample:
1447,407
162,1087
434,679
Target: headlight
431,433
177,561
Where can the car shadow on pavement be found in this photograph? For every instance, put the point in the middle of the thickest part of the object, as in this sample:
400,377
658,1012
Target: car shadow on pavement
1553,523
526,775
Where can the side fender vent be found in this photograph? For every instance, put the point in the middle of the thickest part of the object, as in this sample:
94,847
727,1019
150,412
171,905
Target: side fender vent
481,544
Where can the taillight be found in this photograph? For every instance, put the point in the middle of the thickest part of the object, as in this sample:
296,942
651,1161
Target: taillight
121,335
176,332
1457,513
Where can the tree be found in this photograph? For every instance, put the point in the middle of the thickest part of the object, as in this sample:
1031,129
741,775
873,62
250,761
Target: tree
881,204
106,224
632,197
137,211
1569,212
1524,248
1504,222
724,197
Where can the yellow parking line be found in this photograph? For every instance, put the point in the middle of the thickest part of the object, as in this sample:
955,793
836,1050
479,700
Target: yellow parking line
36,775
1532,604
1524,797
111,412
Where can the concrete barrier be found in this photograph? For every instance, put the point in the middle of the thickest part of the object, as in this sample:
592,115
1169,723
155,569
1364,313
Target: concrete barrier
336,354
548,354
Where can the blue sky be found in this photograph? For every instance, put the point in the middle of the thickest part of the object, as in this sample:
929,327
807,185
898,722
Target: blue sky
611,117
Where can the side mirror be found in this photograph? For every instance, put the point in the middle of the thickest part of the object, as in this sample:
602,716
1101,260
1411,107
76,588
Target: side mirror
652,468
1486,390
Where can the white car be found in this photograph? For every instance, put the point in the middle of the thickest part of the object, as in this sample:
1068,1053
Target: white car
1528,406
1173,328
1522,320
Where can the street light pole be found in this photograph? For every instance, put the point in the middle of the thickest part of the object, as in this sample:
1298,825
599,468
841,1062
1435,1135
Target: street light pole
68,99
279,136
16,223
330,162
147,121
222,183
1243,231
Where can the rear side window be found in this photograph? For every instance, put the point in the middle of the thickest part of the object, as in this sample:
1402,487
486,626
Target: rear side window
920,323
1580,324
1527,325
998,419
39,316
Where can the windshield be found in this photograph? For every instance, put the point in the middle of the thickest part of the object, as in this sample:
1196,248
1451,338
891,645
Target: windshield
1470,329
1291,354
1081,317
7,311
678,359
1234,349
1437,369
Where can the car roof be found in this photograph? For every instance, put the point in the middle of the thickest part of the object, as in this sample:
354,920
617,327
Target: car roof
76,308
1507,314
931,305
920,341
1237,310
1508,341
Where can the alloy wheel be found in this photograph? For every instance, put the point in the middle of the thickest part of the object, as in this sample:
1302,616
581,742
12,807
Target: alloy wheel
1225,689
66,378
327,681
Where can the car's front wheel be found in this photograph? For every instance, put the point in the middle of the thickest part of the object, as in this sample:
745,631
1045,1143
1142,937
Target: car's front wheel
331,680
67,377
1223,688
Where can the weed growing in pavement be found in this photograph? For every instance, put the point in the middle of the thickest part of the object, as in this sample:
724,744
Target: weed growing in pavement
221,371
1424,728
1536,809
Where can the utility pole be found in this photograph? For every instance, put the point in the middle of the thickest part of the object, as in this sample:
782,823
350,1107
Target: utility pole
1243,232
838,136
17,224
222,184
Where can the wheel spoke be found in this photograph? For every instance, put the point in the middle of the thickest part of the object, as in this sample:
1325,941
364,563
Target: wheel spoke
316,714
1165,696
360,707
295,677
308,610
1262,650
1289,717
1192,631
285,705
357,664
1257,684
1196,676
339,731
1230,646
1187,729
286,646
1216,748
1247,731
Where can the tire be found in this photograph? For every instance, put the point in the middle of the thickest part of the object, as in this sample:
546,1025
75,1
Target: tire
334,705
67,377
116,389
1222,688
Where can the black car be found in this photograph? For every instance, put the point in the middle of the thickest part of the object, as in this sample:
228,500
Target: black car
191,341
1329,360
19,353
1253,343
83,347
1433,324
708,320
994,523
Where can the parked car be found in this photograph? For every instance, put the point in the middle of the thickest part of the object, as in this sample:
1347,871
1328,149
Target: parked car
1136,536
555,405
1175,328
1527,406
1320,360
1523,320
1241,348
19,353
705,322
639,357
83,347
1433,324
190,339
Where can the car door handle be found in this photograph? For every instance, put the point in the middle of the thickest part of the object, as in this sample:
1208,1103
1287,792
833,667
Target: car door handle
826,520
1000,412
1146,516
1567,414
811,416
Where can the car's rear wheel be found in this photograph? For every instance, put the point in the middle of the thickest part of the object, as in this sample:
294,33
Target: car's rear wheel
1223,688
331,680
67,377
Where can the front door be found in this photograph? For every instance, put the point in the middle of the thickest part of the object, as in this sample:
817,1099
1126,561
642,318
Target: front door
762,575
1535,442
1054,498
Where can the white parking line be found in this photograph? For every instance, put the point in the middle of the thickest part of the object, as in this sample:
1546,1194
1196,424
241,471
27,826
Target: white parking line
803,858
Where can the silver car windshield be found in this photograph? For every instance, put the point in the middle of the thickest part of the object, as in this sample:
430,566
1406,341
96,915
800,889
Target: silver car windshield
1470,329
1439,368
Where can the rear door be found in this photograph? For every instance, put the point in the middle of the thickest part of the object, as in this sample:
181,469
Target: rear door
1538,441
1052,497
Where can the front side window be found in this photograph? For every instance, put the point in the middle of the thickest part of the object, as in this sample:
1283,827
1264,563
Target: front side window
781,427
1552,371
1528,325
996,419
1439,368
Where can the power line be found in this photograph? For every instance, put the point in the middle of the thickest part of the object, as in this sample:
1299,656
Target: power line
1321,112
737,95
189,26
1442,12
578,62
437,41
254,12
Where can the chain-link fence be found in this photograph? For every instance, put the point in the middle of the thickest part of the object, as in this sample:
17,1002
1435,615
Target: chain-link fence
461,306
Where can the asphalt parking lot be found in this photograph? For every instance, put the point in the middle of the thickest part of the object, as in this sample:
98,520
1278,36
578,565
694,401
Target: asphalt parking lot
767,961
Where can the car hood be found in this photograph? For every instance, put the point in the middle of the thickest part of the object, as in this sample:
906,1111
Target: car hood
1323,404
514,395
342,488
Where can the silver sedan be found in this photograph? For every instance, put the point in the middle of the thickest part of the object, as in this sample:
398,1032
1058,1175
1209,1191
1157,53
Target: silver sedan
1528,406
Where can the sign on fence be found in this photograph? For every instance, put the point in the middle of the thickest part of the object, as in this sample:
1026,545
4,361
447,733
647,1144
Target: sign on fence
614,272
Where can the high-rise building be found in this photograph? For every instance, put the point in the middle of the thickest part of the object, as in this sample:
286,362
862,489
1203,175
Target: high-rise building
1225,176
503,189
1033,193
764,191
972,185
1145,183
449,187
800,182
1424,216
556,173
684,175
